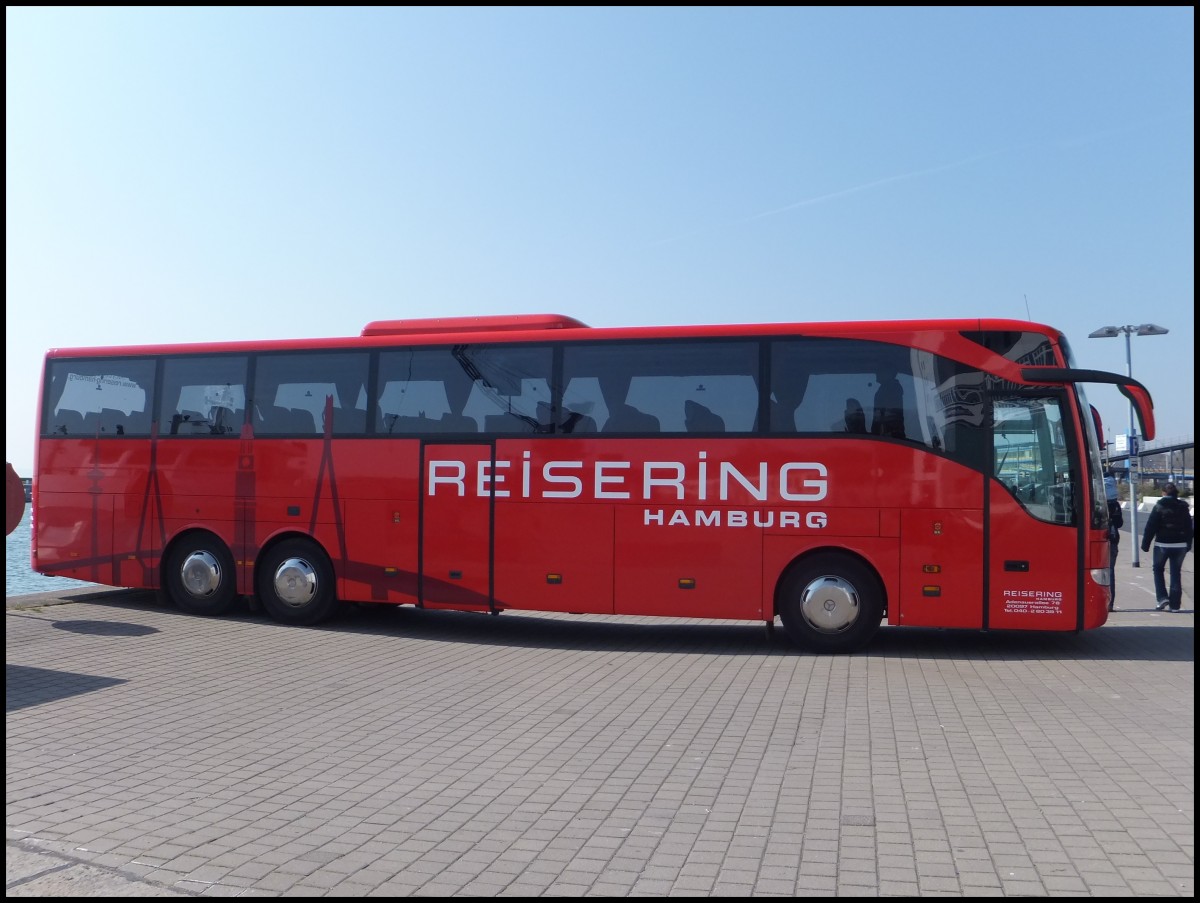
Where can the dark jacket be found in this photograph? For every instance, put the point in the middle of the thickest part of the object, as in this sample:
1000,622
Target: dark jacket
1116,520
1169,524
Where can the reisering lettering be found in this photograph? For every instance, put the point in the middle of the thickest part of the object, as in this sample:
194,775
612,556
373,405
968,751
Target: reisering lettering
697,481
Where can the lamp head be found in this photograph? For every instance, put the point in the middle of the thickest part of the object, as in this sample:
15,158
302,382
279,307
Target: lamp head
1111,332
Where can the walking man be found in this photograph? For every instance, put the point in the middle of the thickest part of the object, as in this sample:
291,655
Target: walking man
1116,520
1170,528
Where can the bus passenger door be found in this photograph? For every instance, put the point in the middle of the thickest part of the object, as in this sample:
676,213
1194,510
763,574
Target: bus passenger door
456,525
1034,552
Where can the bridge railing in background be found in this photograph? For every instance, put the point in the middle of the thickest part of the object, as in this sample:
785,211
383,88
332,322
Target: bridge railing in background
1162,461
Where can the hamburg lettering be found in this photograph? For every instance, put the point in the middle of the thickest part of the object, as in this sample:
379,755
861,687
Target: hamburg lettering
733,517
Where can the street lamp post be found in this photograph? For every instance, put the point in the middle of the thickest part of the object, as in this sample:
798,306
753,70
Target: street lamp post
1111,332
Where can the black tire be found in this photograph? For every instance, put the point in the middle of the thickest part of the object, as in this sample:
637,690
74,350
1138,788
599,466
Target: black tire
295,582
199,575
831,604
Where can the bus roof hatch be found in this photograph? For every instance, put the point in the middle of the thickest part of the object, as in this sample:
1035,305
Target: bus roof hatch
512,323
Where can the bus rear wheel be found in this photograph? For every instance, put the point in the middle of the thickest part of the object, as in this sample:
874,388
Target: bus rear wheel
200,575
831,604
295,583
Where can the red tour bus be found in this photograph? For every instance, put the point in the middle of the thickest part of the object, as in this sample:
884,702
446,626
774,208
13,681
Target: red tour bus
936,473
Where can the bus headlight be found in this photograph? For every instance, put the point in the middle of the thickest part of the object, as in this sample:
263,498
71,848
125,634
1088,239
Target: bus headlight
1100,575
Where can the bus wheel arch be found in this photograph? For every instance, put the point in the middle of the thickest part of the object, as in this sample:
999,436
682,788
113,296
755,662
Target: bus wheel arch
831,601
294,580
199,573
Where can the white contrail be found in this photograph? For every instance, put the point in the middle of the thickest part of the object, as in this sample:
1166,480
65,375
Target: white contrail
866,186
808,202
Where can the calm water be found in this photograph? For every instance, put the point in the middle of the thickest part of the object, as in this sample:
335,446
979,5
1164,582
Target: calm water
19,578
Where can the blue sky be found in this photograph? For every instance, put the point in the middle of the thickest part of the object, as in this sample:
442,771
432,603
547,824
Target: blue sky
206,174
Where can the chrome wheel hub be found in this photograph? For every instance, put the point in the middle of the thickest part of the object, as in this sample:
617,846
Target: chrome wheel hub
829,604
295,582
200,574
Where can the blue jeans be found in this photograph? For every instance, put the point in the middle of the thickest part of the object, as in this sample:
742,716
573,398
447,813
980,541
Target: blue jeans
1112,572
1173,557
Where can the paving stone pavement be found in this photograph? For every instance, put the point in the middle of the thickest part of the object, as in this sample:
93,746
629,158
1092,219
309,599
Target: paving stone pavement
415,753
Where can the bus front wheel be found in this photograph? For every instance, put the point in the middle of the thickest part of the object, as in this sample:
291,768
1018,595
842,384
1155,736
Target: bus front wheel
200,575
831,604
295,583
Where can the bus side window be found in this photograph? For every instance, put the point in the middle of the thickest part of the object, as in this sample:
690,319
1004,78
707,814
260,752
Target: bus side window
625,418
576,422
855,417
888,417
196,388
67,423
188,423
112,422
137,423
509,382
225,420
281,420
294,389
584,396
456,423
698,418
347,420
99,398
506,423
568,421
788,391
